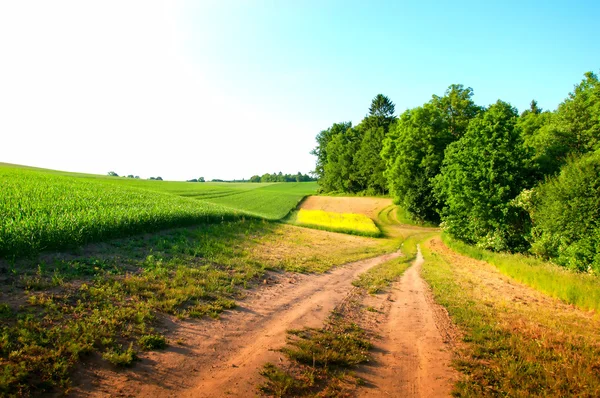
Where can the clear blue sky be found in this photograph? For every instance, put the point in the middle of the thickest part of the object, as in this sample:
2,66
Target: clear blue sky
227,89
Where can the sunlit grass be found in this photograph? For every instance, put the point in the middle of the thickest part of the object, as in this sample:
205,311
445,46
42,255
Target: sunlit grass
357,224
516,341
582,290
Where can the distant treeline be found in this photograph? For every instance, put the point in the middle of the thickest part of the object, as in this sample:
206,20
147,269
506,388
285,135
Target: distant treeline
491,176
279,177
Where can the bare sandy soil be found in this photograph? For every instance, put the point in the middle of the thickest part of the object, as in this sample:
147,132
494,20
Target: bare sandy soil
412,358
223,357
367,206
218,358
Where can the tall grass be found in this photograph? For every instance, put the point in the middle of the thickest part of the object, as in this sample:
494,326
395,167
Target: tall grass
582,290
357,224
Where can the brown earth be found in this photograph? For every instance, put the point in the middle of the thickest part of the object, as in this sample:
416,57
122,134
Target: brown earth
413,355
367,206
223,357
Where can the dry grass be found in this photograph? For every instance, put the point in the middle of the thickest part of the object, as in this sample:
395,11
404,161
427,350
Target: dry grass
307,250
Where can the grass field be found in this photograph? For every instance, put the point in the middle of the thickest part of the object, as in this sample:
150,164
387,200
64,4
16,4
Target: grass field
44,210
356,224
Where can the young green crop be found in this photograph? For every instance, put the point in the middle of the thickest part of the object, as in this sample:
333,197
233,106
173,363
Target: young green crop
45,210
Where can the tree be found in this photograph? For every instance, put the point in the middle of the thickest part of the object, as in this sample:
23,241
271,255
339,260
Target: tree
112,174
340,172
382,106
369,164
579,116
323,139
574,128
481,175
414,149
201,179
566,215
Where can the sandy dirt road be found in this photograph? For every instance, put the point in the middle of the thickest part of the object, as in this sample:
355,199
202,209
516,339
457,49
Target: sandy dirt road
223,358
413,356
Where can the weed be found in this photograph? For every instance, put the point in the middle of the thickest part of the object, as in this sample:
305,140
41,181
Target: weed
152,342
120,357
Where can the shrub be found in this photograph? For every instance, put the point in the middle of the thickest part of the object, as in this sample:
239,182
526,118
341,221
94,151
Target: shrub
566,215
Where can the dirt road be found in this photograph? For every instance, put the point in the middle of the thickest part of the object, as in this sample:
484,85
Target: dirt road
413,357
223,357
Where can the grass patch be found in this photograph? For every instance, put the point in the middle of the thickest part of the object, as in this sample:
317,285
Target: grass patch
322,361
355,224
120,357
152,342
379,277
395,214
582,290
517,342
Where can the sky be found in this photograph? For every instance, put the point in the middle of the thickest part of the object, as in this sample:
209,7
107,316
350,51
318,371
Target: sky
228,89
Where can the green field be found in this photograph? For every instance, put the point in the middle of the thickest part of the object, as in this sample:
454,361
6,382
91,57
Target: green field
46,209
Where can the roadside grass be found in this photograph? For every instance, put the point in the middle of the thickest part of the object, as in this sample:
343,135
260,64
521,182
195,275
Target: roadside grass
582,290
107,299
322,361
396,214
516,342
309,250
355,224
47,210
381,276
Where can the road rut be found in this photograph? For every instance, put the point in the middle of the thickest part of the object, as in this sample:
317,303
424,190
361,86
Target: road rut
224,357
412,358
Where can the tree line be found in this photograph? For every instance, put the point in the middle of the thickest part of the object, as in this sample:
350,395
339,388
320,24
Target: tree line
279,177
491,176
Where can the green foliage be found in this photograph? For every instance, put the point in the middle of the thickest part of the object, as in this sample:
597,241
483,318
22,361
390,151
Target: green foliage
481,174
566,215
348,159
579,116
382,107
152,342
573,129
414,149
340,171
279,177
121,357
323,139
344,346
370,167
